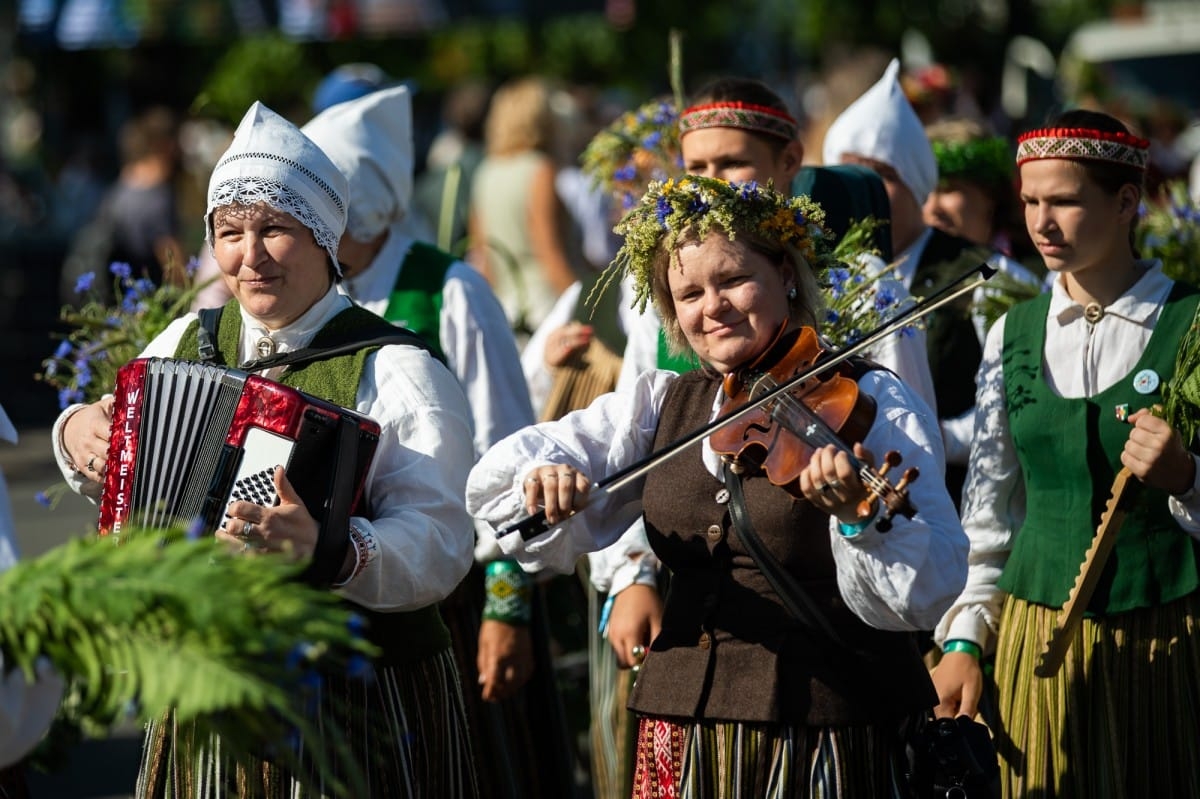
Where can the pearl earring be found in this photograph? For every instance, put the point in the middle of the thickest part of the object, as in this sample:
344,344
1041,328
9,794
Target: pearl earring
791,293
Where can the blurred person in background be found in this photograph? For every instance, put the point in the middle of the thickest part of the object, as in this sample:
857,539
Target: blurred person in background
975,197
443,190
517,221
138,220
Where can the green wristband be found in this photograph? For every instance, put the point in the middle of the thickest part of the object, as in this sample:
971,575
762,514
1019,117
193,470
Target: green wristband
506,593
963,645
852,530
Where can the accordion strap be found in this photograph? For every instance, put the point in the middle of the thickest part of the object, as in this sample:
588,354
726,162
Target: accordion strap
210,322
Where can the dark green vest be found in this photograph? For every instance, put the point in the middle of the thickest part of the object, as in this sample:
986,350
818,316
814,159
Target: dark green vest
403,637
1070,451
416,299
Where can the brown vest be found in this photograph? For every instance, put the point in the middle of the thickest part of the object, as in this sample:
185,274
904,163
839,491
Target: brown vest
728,649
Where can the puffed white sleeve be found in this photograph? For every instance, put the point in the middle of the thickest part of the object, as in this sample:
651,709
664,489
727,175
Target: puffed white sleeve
415,539
904,578
993,506
615,431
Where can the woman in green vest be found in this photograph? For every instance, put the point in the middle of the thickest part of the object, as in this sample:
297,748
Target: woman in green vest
276,209
1064,391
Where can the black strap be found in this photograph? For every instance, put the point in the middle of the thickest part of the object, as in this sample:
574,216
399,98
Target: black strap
306,354
795,599
334,540
206,334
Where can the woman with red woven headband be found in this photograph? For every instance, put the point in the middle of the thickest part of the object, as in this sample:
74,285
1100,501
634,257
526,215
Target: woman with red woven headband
1065,388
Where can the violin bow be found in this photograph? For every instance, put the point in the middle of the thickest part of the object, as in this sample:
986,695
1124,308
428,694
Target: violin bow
536,524
1067,622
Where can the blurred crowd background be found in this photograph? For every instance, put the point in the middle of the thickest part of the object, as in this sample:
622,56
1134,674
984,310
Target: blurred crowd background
115,110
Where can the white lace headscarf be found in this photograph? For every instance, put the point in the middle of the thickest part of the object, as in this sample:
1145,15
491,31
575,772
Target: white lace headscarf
271,161
882,125
371,141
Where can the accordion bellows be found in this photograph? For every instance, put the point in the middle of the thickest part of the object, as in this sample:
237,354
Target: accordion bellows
187,438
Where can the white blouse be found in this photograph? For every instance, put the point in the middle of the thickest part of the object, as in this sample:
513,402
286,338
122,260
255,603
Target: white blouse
1080,360
900,580
416,480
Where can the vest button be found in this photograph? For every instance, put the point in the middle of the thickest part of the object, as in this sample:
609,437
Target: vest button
705,641
715,532
722,496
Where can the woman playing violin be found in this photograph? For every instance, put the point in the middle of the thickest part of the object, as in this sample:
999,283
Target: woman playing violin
729,268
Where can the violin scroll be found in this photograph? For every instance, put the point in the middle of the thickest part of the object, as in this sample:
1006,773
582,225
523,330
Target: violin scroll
894,498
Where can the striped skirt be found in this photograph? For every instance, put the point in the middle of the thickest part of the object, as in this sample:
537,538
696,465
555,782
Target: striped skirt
405,728
1120,720
731,760
613,731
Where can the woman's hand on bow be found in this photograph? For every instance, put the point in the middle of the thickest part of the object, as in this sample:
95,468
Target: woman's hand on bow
831,483
559,489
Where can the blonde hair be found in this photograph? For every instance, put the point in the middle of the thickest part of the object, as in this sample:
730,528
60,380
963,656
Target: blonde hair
520,118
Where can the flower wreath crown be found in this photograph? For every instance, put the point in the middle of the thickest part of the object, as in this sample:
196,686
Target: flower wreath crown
671,208
988,160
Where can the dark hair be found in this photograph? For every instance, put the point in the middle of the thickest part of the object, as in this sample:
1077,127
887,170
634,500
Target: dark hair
1107,175
745,90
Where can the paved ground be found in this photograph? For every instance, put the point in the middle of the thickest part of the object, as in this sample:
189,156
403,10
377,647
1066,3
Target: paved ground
96,769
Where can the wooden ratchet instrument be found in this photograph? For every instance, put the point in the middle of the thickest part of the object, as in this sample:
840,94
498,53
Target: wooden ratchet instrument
1071,615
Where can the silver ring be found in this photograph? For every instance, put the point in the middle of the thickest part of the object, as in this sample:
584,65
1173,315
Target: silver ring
91,464
835,484
533,480
822,487
247,529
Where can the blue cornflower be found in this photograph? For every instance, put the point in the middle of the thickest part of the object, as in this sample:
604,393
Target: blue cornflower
832,316
84,282
651,140
356,624
799,218
193,266
64,349
748,189
143,286
69,396
42,498
358,667
662,211
195,529
885,297
627,172
121,270
83,375
698,206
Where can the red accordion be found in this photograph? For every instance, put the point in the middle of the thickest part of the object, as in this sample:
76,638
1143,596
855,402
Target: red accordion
187,438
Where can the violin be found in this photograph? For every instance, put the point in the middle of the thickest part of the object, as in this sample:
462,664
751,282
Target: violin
780,436
536,524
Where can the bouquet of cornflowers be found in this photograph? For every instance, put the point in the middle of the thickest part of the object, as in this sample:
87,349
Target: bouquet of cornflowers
102,338
859,291
163,620
640,146
1170,231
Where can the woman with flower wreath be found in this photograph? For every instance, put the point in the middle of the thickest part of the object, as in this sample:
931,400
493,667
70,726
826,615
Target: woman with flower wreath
1066,387
736,696
276,211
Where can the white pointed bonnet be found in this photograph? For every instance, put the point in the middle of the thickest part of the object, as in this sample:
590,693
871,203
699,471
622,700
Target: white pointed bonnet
882,125
271,161
370,139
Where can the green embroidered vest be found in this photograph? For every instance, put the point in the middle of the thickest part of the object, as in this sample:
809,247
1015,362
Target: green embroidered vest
416,299
1069,451
402,637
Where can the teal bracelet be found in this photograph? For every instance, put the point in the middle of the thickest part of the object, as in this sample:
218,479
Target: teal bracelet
963,645
507,592
852,530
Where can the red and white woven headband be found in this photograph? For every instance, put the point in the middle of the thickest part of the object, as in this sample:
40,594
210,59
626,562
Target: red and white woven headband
746,116
1083,144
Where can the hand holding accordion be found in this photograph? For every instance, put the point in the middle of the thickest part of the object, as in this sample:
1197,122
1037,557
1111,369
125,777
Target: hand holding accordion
188,438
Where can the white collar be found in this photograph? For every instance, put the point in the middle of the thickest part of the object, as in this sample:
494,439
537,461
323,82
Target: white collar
296,335
375,283
1138,305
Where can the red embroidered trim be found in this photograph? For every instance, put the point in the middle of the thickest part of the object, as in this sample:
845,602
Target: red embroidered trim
1084,144
746,116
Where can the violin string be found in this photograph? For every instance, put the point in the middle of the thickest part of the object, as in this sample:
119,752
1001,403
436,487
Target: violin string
821,434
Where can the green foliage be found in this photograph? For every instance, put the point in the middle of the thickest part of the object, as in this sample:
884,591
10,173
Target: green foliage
857,296
270,68
1170,231
157,620
638,147
579,46
101,338
1002,292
